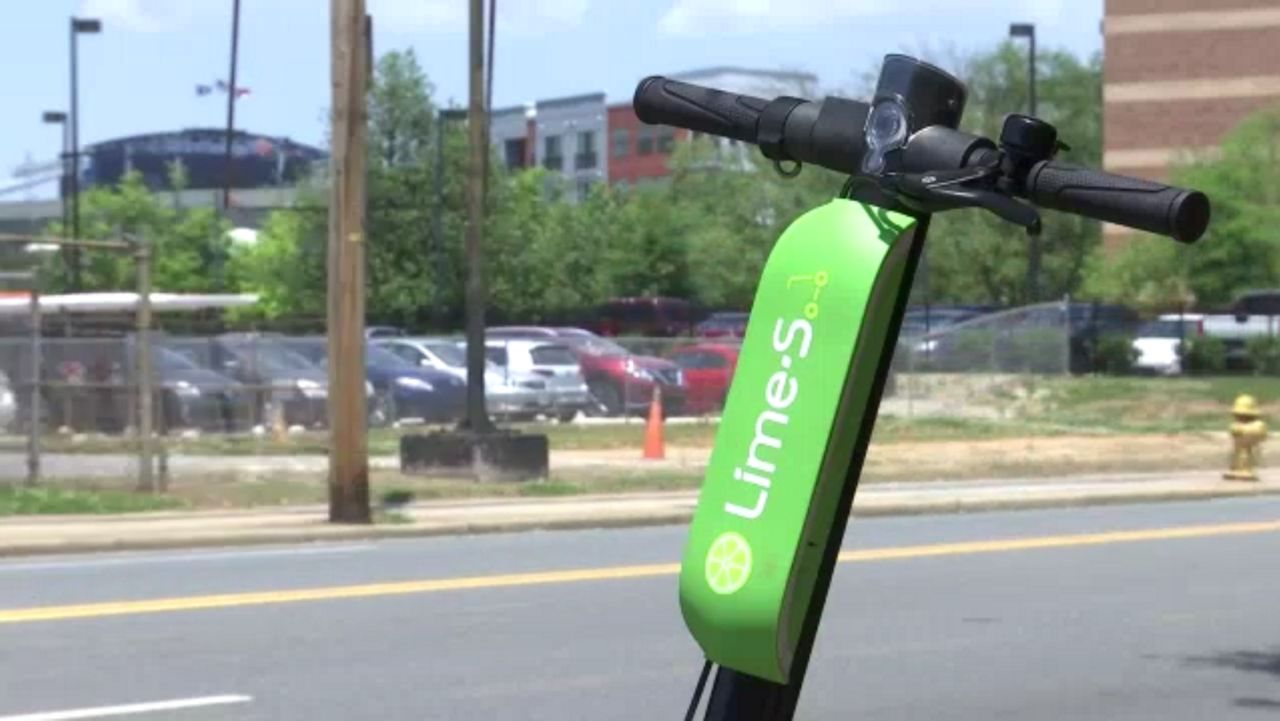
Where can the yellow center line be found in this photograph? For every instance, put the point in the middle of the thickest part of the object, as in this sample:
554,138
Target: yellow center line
541,578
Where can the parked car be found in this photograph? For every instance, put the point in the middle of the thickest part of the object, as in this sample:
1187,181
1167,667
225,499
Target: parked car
646,316
197,397
91,386
514,395
1158,340
272,373
400,389
554,362
384,331
723,325
8,404
708,371
619,381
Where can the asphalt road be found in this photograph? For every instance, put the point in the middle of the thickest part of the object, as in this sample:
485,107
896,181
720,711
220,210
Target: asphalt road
1092,624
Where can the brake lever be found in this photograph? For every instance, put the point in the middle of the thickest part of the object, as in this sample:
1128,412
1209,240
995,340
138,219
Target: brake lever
943,190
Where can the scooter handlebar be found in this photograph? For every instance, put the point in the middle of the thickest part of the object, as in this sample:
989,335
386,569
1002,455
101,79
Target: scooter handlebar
662,101
1179,213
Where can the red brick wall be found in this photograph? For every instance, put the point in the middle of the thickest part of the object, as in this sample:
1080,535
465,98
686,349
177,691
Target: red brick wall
1178,71
1139,7
632,166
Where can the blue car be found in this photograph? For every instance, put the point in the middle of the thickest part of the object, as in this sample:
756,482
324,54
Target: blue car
400,389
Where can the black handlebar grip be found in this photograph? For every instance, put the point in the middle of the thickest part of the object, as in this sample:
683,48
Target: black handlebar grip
1176,212
663,101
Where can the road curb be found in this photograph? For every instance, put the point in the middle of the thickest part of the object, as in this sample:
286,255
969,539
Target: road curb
320,533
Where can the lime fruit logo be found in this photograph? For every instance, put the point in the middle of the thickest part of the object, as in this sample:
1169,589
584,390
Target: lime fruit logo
728,563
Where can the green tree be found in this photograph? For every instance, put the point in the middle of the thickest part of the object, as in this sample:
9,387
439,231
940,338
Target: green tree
286,265
412,279
190,245
973,256
1240,250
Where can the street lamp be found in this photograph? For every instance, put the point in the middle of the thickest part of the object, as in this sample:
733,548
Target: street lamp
79,26
1028,31
57,117
445,116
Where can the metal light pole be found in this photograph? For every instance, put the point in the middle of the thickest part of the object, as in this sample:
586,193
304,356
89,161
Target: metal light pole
437,223
1028,31
88,26
233,93
57,117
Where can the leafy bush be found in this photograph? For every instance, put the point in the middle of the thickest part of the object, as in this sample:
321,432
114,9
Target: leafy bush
1115,354
1264,355
1203,355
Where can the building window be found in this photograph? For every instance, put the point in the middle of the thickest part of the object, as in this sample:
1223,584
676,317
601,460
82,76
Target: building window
644,144
586,157
584,189
621,143
552,157
515,152
666,140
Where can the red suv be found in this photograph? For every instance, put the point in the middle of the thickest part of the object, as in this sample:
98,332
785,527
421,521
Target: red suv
619,381
663,317
708,372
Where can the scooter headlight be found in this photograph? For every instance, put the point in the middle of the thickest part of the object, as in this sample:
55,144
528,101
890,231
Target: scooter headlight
886,131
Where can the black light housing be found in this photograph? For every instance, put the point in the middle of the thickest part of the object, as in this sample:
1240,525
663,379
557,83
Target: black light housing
86,26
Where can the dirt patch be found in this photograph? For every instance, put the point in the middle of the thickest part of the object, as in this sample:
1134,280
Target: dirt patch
987,458
1057,455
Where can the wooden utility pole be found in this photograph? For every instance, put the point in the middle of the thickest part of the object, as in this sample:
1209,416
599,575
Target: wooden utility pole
348,447
142,369
477,415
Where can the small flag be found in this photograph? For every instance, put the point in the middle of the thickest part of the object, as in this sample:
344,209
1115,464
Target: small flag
241,92
202,90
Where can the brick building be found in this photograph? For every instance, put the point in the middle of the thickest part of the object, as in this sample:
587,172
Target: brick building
1179,74
585,141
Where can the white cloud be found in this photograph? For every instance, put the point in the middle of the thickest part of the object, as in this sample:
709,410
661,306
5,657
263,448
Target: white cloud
695,17
451,15
698,16
397,15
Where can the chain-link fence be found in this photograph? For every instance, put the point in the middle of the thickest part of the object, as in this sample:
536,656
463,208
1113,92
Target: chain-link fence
979,366
254,405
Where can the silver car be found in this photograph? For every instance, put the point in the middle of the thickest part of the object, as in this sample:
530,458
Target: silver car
518,396
8,404
554,361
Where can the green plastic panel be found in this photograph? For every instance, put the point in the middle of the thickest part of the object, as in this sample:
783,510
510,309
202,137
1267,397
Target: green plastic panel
791,420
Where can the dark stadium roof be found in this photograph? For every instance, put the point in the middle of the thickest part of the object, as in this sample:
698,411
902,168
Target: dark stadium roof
208,134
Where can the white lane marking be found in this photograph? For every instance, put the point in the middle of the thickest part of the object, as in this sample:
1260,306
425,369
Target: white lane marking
131,709
141,560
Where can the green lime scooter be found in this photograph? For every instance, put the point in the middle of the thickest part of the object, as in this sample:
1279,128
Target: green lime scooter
766,534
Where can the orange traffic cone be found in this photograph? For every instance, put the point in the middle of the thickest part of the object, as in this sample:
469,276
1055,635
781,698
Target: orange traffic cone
654,445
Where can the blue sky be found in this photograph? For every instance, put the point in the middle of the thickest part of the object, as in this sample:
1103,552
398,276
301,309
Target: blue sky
140,74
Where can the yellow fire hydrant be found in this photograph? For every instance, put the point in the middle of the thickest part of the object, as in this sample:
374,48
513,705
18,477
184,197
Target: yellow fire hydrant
1247,433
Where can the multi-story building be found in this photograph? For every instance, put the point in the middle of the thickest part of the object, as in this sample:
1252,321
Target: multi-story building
512,130
569,137
639,153
585,141
1179,74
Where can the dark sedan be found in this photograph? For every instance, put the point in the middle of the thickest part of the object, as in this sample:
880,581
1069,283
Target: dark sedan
197,397
400,389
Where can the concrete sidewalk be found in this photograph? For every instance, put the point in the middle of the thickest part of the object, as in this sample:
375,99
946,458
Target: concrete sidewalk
179,529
